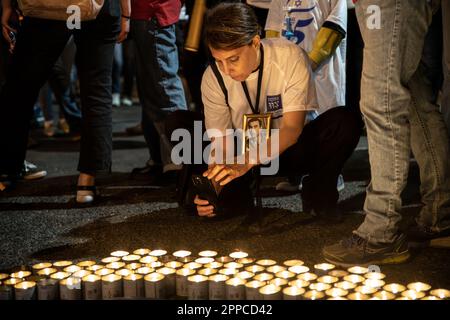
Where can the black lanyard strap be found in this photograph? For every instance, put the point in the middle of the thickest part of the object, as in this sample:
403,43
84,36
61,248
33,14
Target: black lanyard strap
255,108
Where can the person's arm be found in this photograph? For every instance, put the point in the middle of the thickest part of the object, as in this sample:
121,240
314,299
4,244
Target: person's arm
125,6
330,34
7,11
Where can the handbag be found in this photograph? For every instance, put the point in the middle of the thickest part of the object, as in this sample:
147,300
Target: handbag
58,9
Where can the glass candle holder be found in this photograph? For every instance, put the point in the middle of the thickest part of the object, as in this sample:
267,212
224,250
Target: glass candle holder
133,286
413,294
86,264
271,292
313,295
255,269
154,286
336,292
217,286
419,286
198,287
346,285
394,288
112,286
307,276
440,293
235,289
384,295
323,268
252,290
181,281
92,287
293,293
104,272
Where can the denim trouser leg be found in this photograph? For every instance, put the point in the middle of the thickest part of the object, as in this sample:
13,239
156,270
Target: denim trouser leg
445,103
430,145
117,68
391,56
159,87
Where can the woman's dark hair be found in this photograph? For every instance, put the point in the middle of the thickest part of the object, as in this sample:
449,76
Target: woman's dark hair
230,25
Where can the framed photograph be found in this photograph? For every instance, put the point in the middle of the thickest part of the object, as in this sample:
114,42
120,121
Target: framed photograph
256,129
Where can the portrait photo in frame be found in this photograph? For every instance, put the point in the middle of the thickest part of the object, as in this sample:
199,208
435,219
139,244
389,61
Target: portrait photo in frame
256,129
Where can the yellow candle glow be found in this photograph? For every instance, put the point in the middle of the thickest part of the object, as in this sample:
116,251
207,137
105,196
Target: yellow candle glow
142,251
275,269
431,298
47,271
255,269
419,286
279,282
39,266
228,272
245,275
81,273
323,268
174,264
62,264
271,292
119,253
328,279
338,273
375,275
131,258
3,276
169,280
264,277
181,254
245,261
48,289
366,290
299,283
123,272
133,266
285,275
358,270
217,289
72,269
154,286
337,298
440,293
12,282
112,286
358,296
233,265
207,272
70,289
207,253
384,295
346,285
224,259
313,295
148,259
25,290
374,283
158,253
86,264
298,269
266,262
110,260
293,262
59,275
394,288
293,293
204,260
155,265
354,278
238,255
20,274
214,265
307,276
192,265
104,272
133,286
95,267
336,292
115,265
413,294
145,270
318,286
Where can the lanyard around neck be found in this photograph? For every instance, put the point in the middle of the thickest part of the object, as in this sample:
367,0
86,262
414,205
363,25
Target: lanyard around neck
255,108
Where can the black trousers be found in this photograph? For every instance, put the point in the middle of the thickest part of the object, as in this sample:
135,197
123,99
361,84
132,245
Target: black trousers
39,44
320,152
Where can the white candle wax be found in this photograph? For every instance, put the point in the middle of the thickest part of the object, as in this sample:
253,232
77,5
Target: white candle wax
115,265
233,265
336,292
384,295
245,261
419,286
238,255
131,258
264,277
148,259
92,287
358,270
328,279
307,276
104,272
358,296
123,272
208,253
72,269
394,288
366,290
47,272
293,262
119,253
214,265
108,260
180,254
293,293
346,285
141,251
133,266
298,269
204,260
158,253
285,275
174,265
338,273
207,272
20,274
266,262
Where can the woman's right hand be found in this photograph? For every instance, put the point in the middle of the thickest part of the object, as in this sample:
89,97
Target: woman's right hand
6,28
204,209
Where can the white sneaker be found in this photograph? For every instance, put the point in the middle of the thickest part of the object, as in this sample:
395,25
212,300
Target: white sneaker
340,183
116,100
287,186
127,102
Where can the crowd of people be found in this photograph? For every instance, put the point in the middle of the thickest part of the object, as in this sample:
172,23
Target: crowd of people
301,62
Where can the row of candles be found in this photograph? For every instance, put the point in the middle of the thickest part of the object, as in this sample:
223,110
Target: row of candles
159,275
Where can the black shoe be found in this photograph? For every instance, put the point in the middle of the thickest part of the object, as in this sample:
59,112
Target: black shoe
421,237
134,130
358,251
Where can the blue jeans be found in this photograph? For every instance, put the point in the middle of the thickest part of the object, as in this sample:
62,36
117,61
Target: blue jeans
117,68
395,101
159,86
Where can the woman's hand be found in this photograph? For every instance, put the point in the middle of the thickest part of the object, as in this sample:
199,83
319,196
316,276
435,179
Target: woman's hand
204,209
124,29
6,28
225,173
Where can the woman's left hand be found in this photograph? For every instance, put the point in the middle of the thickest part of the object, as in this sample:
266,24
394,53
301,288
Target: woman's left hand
124,29
225,173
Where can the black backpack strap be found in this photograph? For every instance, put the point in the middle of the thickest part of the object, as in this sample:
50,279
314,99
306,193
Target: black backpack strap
220,80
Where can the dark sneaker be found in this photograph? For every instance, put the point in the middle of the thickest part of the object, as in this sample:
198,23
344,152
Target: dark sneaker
134,130
358,251
148,170
31,172
421,237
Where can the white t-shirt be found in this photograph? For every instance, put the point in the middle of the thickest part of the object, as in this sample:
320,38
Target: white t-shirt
308,17
287,86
